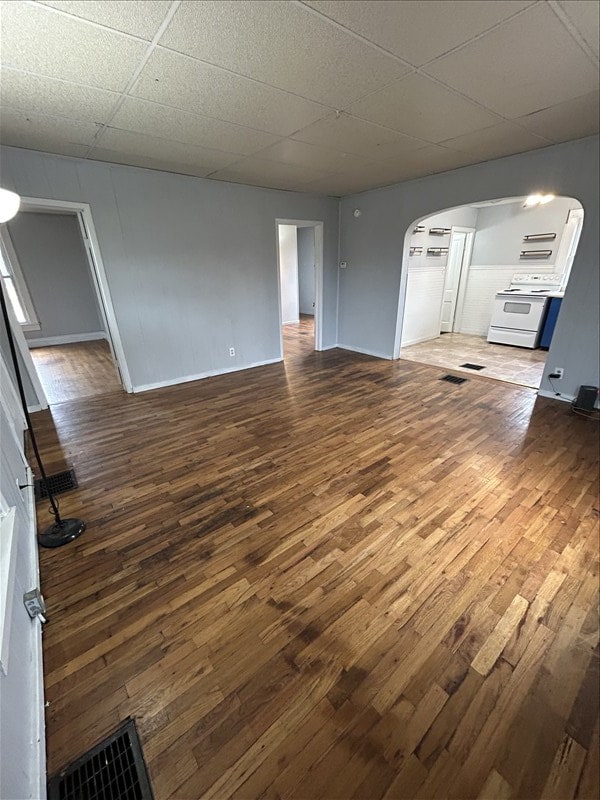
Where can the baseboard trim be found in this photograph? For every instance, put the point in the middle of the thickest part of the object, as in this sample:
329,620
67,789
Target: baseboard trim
364,351
71,338
328,347
565,398
37,407
148,387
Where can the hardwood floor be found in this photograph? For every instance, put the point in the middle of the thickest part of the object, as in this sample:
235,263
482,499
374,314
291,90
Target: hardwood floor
73,371
333,578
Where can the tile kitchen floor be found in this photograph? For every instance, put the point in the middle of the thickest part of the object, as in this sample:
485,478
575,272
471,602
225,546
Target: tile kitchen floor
502,362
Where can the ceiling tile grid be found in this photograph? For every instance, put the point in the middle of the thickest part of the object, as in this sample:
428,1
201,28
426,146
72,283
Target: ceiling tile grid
324,96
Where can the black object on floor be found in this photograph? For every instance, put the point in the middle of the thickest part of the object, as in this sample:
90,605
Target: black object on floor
472,366
113,770
59,483
453,379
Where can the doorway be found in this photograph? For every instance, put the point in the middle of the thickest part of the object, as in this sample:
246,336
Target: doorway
459,258
463,264
62,316
300,279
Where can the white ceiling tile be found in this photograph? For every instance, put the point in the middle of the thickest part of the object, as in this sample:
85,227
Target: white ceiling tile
571,120
283,45
47,144
525,65
36,39
499,140
338,185
419,31
180,126
137,144
428,160
180,81
15,123
419,107
138,17
290,151
50,96
585,16
134,160
260,172
353,135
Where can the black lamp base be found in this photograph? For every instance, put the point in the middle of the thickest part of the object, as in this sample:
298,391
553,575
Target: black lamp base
61,532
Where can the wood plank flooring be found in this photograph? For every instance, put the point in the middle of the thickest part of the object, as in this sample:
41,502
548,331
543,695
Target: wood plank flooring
73,371
336,577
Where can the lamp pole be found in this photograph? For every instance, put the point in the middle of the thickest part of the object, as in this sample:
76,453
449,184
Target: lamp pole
62,531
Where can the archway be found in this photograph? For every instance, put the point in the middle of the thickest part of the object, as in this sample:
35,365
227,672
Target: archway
482,285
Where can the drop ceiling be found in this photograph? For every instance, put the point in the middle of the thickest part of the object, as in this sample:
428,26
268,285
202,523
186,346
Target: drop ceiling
327,97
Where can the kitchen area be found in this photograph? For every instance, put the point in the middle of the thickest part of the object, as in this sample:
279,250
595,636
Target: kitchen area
485,284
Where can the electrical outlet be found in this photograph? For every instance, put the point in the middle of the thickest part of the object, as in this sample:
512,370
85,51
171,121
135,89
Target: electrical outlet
559,372
231,352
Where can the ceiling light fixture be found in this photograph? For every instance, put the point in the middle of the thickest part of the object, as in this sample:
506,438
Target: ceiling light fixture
538,199
9,204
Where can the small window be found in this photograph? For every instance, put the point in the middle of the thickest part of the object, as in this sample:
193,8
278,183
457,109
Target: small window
15,287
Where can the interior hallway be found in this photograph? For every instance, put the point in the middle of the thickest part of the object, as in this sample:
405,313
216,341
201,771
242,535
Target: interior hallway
332,578
299,337
74,371
503,362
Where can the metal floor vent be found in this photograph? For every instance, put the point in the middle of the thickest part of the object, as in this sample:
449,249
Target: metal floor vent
113,770
59,482
472,366
453,379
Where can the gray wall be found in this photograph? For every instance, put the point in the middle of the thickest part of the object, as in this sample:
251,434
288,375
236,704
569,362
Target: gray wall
373,245
500,231
54,264
306,269
191,263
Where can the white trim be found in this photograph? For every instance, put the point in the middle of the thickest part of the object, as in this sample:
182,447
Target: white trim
211,373
38,772
99,280
463,277
409,342
23,351
8,551
364,351
34,408
14,266
10,399
329,347
565,398
318,229
69,338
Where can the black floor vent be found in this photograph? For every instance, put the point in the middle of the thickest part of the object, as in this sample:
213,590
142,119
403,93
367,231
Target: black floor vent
453,379
113,770
59,483
472,366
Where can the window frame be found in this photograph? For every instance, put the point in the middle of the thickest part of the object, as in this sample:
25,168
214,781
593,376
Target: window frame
11,261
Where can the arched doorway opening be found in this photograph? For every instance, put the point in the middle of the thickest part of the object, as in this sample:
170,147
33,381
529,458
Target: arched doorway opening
484,283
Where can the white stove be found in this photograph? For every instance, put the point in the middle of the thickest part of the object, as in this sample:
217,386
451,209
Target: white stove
519,311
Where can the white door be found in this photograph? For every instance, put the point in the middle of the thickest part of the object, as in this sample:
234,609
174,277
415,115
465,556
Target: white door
22,735
458,256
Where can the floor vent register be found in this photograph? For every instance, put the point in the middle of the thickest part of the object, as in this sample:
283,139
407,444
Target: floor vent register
113,770
453,379
472,366
59,483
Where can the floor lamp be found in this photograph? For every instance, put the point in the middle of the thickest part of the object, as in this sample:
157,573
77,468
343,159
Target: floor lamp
62,531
